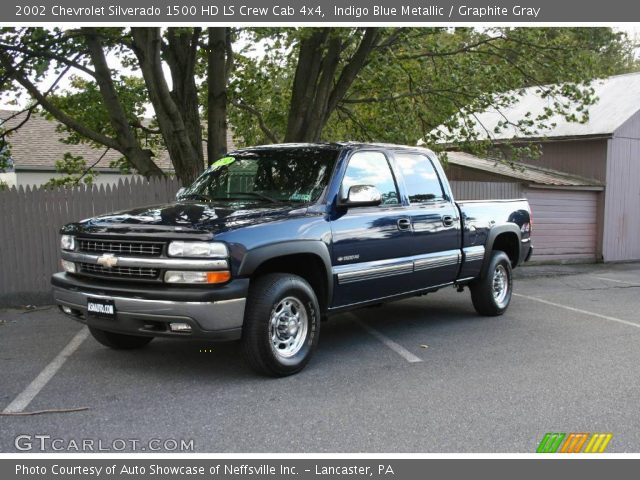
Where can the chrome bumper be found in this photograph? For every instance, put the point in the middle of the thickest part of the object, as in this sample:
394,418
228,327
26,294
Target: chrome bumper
220,320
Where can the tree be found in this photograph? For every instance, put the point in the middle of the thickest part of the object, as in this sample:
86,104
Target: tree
29,55
403,83
219,66
306,84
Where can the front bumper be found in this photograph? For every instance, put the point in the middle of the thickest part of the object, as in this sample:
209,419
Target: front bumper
213,313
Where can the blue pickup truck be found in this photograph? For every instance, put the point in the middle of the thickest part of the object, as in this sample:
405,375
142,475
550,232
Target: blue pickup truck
270,241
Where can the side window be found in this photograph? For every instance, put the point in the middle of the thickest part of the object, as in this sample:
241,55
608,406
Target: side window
420,177
371,168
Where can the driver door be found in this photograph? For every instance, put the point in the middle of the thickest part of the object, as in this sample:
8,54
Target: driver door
369,243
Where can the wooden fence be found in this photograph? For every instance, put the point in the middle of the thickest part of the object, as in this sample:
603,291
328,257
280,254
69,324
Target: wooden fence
30,220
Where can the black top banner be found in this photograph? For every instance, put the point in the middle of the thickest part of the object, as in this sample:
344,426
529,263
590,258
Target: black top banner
30,12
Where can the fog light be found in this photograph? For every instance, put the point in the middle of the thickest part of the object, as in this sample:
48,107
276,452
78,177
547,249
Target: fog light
66,310
68,266
179,327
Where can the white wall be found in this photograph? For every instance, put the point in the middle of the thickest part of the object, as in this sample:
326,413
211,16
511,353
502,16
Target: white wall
8,179
38,178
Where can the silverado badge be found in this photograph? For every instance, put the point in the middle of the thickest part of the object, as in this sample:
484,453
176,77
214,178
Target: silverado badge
108,260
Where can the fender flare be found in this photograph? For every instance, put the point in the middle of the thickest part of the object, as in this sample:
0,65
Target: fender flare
491,237
256,257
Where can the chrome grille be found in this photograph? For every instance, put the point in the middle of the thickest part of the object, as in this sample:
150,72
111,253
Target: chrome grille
149,249
123,272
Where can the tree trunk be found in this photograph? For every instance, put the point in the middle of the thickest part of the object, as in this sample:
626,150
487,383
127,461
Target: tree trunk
316,90
174,110
128,144
180,54
217,72
304,85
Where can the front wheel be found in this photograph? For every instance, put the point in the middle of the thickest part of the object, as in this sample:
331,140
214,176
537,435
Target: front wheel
119,341
491,294
281,324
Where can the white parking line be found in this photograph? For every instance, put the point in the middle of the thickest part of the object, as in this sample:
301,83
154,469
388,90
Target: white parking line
23,400
578,310
399,349
616,280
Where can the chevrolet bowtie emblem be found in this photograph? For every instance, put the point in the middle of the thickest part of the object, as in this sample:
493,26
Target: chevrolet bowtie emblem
108,260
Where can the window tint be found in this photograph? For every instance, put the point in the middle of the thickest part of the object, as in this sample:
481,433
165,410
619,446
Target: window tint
371,168
420,177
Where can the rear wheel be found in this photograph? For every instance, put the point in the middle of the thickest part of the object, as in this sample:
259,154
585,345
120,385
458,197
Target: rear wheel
119,341
281,324
491,294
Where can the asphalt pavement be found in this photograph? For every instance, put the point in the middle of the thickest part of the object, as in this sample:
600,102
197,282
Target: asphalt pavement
420,375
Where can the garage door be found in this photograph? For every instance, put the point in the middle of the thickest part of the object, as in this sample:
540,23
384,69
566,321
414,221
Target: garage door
564,224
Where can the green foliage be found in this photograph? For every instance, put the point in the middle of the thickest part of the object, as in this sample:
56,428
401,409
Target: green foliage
74,170
427,77
122,165
5,153
83,93
415,80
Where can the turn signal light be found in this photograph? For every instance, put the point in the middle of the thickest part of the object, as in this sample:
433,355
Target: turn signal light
218,277
189,276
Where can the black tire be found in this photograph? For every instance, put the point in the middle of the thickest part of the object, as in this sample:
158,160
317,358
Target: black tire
119,341
484,296
278,304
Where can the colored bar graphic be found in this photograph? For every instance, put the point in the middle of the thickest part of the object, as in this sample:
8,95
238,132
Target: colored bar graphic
550,442
574,442
598,443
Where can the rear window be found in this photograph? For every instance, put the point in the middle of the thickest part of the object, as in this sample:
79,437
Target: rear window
420,177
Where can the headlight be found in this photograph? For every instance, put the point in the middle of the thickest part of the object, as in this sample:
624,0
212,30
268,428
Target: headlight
196,277
198,249
68,242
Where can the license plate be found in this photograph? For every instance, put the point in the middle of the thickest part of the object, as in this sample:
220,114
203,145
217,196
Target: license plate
101,308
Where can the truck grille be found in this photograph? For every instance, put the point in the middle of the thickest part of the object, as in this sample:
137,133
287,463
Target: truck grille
148,249
120,272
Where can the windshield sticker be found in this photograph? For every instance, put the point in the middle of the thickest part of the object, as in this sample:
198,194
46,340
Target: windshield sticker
300,197
223,162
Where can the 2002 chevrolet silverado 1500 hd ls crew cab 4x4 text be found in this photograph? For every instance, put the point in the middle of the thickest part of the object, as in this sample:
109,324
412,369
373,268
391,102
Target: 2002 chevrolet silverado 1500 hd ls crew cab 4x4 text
271,240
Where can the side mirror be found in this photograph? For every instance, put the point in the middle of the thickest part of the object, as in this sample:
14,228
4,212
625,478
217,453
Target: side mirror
180,192
361,196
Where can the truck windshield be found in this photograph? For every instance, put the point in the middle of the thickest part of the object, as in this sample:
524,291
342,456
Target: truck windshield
269,175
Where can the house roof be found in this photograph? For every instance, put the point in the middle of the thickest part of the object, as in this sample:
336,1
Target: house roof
37,145
618,100
524,173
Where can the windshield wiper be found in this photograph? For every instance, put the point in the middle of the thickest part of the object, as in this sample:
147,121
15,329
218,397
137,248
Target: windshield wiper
197,196
257,194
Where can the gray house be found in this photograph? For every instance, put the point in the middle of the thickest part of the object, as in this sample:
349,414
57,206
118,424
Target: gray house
585,188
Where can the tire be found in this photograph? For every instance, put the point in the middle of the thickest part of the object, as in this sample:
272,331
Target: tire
281,324
119,341
491,293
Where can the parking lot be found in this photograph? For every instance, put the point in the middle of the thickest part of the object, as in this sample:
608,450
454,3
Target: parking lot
421,375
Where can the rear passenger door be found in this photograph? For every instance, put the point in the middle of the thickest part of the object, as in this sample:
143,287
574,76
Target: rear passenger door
370,244
436,239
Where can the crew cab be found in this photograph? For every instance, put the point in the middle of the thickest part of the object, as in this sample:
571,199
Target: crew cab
270,241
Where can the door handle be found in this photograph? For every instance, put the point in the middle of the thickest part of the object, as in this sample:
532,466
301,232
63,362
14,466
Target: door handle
404,224
447,220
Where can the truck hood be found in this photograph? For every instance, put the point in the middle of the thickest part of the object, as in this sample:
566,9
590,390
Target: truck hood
187,216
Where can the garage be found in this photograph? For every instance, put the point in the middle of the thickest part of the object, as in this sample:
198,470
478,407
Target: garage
564,224
566,208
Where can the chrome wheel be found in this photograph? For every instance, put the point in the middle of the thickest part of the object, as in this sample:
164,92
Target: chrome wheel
288,327
500,285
